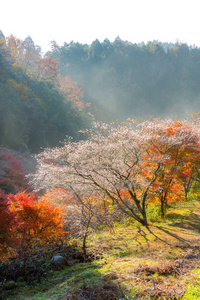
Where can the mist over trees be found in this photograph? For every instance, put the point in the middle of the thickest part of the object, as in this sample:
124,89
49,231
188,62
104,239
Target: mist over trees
123,80
45,98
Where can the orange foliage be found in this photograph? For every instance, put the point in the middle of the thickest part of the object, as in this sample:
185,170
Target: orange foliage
8,226
16,47
72,92
30,61
47,68
59,196
177,170
23,58
40,220
168,191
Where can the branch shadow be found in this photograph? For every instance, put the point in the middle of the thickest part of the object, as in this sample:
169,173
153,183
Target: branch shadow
157,237
180,239
191,222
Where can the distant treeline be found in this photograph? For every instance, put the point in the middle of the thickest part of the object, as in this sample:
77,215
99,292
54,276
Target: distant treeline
122,79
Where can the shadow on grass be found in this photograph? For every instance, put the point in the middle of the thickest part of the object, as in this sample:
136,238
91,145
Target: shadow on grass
156,236
191,221
81,281
180,239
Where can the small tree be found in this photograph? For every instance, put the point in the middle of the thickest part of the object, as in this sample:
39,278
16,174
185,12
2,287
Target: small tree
39,223
40,219
181,163
83,214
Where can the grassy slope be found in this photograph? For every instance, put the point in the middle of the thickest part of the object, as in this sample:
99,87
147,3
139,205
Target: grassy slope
158,264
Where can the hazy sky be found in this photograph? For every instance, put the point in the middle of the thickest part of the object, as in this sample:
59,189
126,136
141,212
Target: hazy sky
85,20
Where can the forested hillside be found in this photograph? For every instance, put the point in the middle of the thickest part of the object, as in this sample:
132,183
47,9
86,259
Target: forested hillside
123,80
45,98
37,109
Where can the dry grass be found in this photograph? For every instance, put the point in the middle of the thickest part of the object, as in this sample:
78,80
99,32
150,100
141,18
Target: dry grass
105,291
154,262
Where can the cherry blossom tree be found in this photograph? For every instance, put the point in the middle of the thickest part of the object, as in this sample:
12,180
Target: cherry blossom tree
119,162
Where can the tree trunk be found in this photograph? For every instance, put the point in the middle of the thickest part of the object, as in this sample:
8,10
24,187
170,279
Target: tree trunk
162,209
144,220
84,246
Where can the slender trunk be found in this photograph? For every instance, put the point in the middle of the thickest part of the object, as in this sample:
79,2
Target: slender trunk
84,246
187,187
186,193
85,237
162,209
163,204
144,215
163,199
145,194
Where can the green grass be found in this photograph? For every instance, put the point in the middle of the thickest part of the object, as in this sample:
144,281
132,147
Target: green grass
59,283
130,251
193,289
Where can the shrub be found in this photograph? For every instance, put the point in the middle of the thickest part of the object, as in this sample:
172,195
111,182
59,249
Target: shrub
12,177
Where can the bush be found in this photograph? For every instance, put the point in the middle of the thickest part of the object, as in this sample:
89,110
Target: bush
153,212
8,225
